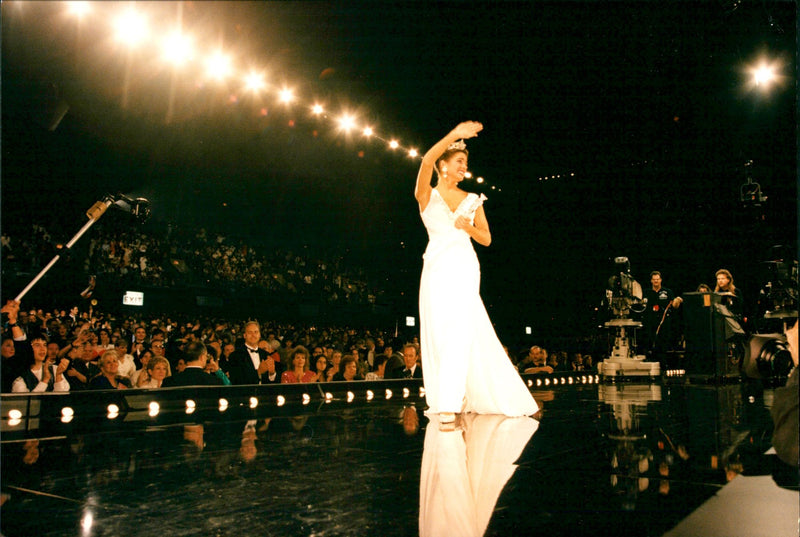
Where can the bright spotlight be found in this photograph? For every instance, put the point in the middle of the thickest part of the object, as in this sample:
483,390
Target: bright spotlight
350,397
394,144
347,122
467,175
317,109
281,400
218,66
370,395
286,95
223,404
153,409
253,402
763,75
79,9
15,414
306,398
254,82
412,153
368,131
177,49
479,179
130,28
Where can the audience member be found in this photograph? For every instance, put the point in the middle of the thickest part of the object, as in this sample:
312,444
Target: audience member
395,363
380,368
410,357
82,366
535,363
299,372
251,365
14,361
108,378
127,368
335,364
40,375
320,369
348,370
142,376
212,368
530,359
157,370
194,374
576,363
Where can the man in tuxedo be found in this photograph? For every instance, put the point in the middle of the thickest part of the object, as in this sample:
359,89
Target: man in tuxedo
251,365
195,355
412,370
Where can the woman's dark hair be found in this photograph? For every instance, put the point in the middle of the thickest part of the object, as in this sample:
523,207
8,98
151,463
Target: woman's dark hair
346,360
300,350
445,156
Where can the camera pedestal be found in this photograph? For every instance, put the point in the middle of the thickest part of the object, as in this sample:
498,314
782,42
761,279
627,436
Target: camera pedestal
623,362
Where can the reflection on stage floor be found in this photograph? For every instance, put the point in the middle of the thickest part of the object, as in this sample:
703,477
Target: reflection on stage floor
599,459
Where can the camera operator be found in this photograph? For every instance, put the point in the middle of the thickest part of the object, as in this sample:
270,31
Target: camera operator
784,410
657,335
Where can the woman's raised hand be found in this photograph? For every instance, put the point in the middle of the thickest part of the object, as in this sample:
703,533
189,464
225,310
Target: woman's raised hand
468,129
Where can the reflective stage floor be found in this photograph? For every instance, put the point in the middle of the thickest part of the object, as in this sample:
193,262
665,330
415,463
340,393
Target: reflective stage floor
667,458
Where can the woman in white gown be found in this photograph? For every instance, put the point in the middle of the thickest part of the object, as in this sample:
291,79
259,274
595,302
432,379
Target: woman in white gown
465,368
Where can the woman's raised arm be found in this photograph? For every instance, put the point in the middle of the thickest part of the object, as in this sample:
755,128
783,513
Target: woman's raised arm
422,191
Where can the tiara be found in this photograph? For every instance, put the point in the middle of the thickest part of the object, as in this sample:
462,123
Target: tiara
457,146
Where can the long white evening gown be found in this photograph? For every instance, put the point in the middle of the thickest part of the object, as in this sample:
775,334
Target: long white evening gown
464,365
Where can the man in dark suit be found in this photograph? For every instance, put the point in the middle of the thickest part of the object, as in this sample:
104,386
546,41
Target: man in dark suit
249,364
194,374
413,370
394,363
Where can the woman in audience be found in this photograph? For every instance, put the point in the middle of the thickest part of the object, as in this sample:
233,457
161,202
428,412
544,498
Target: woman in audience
336,360
157,371
320,368
143,376
299,372
348,370
108,379
104,341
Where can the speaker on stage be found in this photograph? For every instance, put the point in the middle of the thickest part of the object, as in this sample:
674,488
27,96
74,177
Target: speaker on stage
709,325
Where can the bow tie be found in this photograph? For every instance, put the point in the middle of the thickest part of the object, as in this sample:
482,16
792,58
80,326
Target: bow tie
252,350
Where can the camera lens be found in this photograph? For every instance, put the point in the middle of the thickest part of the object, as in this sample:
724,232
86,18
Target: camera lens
774,360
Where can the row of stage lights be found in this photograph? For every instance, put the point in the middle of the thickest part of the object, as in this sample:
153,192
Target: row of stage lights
15,415
131,29
154,408
583,379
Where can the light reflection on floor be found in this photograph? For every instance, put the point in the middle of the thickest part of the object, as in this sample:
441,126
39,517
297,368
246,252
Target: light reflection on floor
630,459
